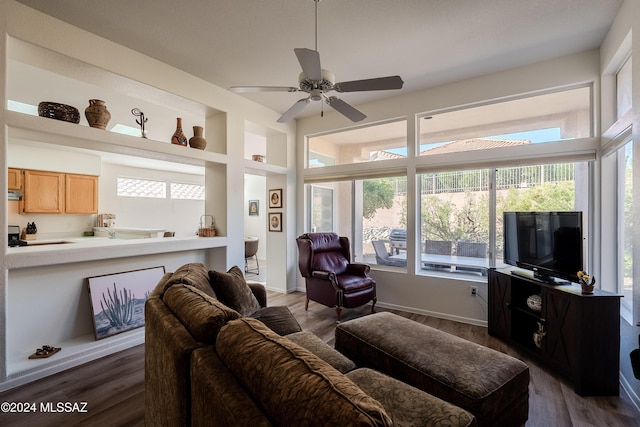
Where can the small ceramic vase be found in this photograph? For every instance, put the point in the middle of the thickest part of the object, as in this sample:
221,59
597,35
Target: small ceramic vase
178,137
197,140
97,114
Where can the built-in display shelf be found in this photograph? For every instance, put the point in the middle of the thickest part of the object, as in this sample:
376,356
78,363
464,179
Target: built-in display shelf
40,129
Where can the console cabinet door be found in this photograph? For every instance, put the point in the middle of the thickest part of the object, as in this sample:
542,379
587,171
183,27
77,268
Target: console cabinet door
499,305
43,192
81,194
14,179
560,344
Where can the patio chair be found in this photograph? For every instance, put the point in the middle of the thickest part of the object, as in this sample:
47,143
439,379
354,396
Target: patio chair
473,250
382,255
437,247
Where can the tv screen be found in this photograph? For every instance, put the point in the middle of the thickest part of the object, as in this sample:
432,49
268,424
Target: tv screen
549,243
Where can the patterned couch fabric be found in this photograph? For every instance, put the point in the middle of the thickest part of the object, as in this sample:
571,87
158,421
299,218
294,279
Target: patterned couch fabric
408,406
200,314
291,385
219,400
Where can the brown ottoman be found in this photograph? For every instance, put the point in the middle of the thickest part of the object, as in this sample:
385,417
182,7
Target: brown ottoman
491,385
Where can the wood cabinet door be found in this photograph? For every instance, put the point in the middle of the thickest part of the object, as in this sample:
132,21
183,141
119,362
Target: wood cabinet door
14,179
81,194
499,288
560,343
43,192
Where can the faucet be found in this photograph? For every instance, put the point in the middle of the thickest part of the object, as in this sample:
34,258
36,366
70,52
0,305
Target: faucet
112,234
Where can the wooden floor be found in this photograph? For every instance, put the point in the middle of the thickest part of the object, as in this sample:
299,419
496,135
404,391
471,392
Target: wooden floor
113,387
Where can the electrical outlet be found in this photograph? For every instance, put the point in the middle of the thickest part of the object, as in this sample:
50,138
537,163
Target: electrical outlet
474,290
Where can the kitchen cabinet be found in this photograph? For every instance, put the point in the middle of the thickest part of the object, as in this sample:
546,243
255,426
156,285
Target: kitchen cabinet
43,192
14,179
55,192
81,194
577,335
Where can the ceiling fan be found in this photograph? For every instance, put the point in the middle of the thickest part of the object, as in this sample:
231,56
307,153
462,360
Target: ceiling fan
316,81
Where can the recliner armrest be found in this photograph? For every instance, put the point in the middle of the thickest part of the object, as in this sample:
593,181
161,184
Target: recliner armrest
358,269
322,274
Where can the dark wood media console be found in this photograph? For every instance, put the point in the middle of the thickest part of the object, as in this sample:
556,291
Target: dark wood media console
581,333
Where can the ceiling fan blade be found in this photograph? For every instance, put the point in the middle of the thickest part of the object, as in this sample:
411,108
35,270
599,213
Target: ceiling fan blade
310,62
292,112
251,89
380,83
347,110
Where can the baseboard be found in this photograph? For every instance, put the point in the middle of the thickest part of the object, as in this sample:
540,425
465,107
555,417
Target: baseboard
626,387
435,314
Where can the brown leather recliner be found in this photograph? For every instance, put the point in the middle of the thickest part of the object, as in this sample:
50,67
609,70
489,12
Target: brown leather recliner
332,279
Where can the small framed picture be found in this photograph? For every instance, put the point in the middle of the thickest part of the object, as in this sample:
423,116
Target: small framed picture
254,207
275,198
275,221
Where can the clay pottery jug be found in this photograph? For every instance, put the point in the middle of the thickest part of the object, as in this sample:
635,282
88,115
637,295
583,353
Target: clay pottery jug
197,140
97,114
178,137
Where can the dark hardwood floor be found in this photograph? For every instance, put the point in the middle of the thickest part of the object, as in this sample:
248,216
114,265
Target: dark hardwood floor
113,387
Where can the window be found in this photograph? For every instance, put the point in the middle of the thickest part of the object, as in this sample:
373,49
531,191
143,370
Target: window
537,119
133,187
625,223
187,191
367,144
371,212
455,210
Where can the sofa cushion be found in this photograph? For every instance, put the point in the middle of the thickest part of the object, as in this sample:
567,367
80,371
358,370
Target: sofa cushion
293,386
315,345
407,405
278,318
232,290
200,314
194,274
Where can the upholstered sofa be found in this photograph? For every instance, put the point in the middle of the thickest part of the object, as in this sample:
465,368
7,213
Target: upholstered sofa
208,364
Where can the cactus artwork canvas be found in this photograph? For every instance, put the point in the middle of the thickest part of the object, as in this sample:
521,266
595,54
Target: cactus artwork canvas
117,300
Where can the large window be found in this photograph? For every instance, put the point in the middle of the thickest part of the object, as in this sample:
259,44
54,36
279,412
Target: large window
368,144
625,223
537,119
455,210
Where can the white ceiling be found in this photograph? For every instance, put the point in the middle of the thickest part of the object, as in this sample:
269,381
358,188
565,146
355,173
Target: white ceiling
426,42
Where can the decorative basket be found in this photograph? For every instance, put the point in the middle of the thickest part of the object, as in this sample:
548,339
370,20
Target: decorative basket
53,110
207,228
534,302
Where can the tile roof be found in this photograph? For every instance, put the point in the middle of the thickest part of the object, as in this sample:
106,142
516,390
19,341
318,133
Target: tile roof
473,144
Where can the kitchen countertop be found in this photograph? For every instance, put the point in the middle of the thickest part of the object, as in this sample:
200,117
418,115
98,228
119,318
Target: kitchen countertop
78,249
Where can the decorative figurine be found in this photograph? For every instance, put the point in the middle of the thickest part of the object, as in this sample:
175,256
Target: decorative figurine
136,112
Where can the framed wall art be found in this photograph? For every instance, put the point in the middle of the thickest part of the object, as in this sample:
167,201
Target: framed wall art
275,198
275,221
117,300
254,207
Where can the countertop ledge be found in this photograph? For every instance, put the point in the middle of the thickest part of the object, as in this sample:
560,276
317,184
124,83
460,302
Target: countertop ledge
81,249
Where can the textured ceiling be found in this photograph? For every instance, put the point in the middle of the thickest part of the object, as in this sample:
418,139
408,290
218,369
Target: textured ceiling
428,43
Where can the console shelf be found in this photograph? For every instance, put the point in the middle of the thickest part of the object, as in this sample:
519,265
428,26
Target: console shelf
580,333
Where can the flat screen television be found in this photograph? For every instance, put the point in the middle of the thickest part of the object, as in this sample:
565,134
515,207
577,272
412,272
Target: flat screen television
548,243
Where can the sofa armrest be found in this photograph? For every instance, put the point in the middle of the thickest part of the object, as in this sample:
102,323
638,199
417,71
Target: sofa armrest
259,291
